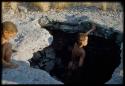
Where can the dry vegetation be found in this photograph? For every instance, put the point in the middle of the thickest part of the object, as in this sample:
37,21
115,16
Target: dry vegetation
9,5
45,6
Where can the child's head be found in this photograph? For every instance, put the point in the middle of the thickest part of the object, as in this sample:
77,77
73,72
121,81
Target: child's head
82,39
9,30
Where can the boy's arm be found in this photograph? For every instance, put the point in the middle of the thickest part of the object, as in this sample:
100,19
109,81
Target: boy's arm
3,56
6,64
6,57
6,52
3,51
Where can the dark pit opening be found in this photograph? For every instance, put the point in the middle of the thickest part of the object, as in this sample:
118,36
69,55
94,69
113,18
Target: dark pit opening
102,57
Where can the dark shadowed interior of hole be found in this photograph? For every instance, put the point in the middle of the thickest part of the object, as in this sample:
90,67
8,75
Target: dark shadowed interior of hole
102,57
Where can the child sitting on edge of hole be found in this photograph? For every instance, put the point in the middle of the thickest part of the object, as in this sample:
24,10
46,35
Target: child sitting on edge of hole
9,31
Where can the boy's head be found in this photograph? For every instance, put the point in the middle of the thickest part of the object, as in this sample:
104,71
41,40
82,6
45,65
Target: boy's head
82,39
9,30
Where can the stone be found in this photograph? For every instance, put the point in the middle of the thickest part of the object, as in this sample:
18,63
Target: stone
24,74
82,24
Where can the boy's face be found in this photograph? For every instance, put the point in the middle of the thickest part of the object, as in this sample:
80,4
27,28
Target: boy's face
83,41
9,35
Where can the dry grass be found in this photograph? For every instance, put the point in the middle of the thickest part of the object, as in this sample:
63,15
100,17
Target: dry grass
10,5
45,6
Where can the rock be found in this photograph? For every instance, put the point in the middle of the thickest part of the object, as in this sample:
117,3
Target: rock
83,24
23,9
43,21
103,31
44,59
31,40
24,74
